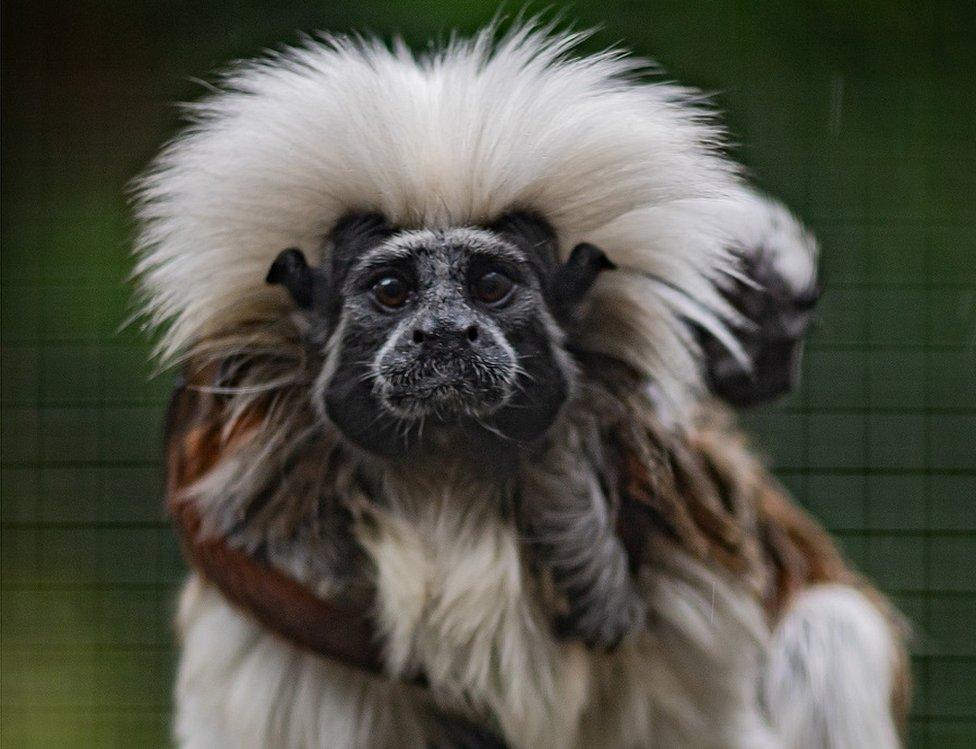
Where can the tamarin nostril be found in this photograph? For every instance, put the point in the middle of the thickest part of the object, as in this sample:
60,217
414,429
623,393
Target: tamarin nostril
418,336
472,333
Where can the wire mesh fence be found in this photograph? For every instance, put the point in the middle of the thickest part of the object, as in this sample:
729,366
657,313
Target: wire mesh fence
861,118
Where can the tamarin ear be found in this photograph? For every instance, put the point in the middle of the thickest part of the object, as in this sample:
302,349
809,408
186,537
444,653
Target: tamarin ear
572,281
291,270
317,287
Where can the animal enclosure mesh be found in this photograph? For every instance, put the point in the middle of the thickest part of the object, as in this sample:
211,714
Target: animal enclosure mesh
861,121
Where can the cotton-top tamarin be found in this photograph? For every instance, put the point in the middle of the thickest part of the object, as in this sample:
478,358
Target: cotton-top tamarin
454,329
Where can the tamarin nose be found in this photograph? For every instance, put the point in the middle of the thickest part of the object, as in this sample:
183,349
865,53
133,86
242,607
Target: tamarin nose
446,334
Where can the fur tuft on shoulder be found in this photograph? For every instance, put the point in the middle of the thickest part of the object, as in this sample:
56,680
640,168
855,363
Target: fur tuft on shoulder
454,137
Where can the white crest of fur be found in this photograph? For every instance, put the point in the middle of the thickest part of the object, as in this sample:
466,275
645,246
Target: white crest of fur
453,138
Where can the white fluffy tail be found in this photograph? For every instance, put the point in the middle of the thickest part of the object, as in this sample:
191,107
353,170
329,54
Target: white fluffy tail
831,671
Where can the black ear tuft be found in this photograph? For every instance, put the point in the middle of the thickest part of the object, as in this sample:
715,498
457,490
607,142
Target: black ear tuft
531,232
573,280
291,270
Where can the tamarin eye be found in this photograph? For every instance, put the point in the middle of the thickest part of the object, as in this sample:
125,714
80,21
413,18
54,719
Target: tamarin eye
492,287
391,291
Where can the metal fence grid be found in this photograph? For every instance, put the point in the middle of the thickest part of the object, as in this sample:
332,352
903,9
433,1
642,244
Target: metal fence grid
872,143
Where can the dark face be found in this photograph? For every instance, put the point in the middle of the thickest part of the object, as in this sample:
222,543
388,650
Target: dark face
439,338
773,343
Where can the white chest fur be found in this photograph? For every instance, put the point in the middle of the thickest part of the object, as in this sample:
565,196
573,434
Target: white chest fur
455,603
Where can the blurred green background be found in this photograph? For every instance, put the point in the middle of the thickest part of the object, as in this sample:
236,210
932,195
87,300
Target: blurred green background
860,114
